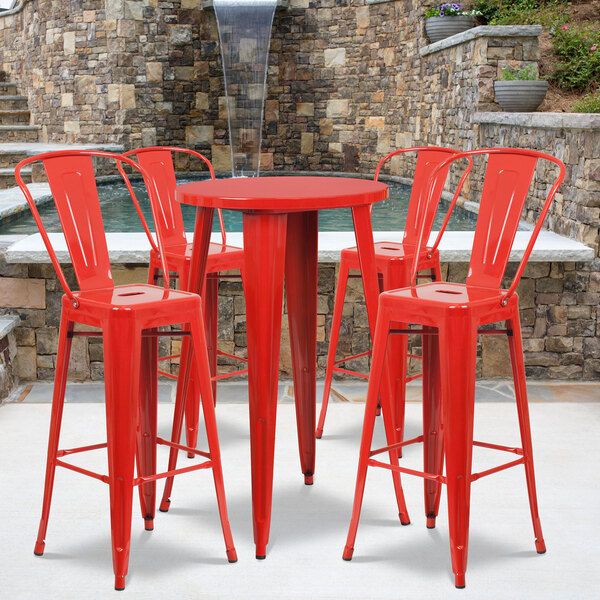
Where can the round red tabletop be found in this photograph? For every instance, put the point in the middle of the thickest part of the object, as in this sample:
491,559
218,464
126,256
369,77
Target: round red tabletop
285,194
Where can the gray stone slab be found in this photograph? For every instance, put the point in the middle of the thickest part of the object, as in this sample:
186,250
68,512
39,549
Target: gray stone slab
33,148
541,120
482,31
12,200
230,392
454,247
79,393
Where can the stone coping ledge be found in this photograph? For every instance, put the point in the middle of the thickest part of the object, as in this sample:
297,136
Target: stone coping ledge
33,148
20,127
541,120
12,200
7,324
18,7
482,31
133,248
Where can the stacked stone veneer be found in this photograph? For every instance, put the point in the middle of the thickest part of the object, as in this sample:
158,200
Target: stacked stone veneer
348,81
8,353
558,317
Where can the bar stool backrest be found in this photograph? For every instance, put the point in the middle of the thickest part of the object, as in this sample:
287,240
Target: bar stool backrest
507,180
506,183
428,159
158,162
72,182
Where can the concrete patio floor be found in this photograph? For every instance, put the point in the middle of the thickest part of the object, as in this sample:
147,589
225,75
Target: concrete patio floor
184,557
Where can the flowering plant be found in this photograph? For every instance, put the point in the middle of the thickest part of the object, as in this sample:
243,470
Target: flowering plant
451,9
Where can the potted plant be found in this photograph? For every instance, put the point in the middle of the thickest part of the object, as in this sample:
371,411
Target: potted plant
520,90
448,19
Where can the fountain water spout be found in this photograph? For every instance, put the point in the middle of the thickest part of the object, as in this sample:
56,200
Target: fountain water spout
245,37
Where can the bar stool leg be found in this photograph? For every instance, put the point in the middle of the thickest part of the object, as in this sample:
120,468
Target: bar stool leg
336,322
395,277
58,399
457,370
375,380
516,355
191,401
122,353
433,444
185,367
211,318
208,408
146,437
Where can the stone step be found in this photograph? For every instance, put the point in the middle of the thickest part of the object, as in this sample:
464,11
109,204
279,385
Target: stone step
15,117
10,159
19,133
13,103
7,177
8,87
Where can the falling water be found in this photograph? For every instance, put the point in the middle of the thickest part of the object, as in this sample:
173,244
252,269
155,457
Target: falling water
245,36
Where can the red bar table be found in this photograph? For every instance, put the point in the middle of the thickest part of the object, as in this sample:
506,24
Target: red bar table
280,237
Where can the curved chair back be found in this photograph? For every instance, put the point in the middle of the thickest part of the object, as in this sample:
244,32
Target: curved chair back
158,162
420,210
72,182
508,176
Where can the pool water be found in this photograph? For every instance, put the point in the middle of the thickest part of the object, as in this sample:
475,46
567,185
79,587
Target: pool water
119,214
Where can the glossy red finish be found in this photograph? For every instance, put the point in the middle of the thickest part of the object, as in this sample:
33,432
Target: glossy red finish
129,317
281,194
280,238
393,261
158,163
451,315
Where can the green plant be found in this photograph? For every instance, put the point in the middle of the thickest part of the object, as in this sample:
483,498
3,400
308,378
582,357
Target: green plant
487,8
547,13
578,50
450,9
527,73
588,104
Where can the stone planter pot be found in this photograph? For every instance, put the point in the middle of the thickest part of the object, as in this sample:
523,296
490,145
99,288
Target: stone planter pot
438,28
519,95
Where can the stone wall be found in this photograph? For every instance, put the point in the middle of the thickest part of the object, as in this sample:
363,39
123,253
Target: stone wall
8,353
558,315
132,72
348,82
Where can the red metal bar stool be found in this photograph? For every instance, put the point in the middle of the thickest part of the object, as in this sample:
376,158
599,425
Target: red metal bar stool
393,261
450,316
158,163
129,317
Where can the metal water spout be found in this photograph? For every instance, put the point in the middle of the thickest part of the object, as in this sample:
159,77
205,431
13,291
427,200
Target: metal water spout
245,37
